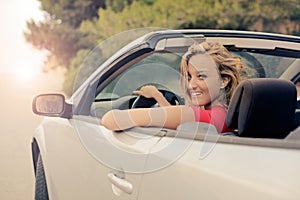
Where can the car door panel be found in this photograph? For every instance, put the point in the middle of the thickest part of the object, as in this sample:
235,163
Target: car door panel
121,156
226,172
71,172
84,173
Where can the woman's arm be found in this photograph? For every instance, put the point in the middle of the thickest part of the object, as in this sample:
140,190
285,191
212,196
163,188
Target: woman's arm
150,91
168,117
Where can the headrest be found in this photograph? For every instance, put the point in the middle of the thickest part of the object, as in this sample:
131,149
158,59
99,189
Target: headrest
263,108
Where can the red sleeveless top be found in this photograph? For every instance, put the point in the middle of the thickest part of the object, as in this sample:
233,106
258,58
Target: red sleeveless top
216,116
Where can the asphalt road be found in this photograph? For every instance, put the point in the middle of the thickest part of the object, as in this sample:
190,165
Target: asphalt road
17,124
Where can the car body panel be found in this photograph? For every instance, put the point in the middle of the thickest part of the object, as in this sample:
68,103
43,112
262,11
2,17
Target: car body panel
228,172
65,154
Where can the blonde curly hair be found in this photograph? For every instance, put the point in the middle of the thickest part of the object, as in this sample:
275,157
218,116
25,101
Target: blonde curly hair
228,66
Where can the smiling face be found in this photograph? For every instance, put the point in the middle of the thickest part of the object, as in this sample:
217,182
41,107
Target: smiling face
204,81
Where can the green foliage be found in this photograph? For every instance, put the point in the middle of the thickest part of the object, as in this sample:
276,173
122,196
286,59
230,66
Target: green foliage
61,41
118,5
262,15
82,66
74,27
59,33
72,12
72,72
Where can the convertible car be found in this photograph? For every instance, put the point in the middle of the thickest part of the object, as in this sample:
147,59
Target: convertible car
74,157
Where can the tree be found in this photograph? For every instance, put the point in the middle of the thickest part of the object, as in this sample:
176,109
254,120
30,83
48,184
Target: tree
74,27
59,33
261,15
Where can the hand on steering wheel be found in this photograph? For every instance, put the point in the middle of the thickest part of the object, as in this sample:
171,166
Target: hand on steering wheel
147,93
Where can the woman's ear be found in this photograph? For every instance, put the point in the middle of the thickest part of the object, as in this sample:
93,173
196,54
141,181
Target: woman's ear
225,81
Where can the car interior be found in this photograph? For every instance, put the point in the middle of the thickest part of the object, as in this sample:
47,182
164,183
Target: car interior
264,106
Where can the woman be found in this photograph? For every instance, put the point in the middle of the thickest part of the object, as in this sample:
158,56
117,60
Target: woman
209,75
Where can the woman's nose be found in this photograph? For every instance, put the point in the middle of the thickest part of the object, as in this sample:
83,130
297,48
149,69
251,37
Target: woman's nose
192,83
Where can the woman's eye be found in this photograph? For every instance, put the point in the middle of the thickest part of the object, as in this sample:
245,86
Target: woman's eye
202,76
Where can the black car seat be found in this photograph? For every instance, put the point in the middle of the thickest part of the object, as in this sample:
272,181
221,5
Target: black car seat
263,108
297,115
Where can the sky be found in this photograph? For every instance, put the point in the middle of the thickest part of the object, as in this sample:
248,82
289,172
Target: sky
17,56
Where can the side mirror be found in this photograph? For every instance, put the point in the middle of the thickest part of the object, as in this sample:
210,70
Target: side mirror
51,105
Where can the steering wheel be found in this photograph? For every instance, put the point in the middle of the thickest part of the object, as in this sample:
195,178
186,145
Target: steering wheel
143,102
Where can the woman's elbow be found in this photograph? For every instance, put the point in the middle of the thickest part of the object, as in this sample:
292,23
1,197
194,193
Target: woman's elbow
108,121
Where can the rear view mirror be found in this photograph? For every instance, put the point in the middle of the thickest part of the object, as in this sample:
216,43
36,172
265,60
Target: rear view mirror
52,105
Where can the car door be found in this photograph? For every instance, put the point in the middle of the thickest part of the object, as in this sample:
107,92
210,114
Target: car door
220,167
121,156
81,162
117,159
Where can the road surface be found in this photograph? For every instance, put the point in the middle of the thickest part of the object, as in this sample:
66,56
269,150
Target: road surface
17,126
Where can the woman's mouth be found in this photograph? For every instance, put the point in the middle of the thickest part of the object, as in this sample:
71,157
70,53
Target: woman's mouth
196,94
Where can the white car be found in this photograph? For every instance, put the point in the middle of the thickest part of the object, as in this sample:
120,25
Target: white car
74,157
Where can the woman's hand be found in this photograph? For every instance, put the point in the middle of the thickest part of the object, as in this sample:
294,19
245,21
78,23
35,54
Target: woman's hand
149,91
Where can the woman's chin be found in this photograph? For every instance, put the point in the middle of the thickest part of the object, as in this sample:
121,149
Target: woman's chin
199,102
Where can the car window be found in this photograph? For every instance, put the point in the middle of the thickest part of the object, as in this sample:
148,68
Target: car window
274,66
265,66
160,69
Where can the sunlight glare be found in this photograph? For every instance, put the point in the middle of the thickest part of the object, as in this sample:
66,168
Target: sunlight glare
26,74
17,52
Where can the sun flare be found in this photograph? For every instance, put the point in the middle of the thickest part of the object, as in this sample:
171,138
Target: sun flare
26,74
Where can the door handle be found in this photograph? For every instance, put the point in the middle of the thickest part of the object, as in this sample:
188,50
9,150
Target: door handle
120,183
